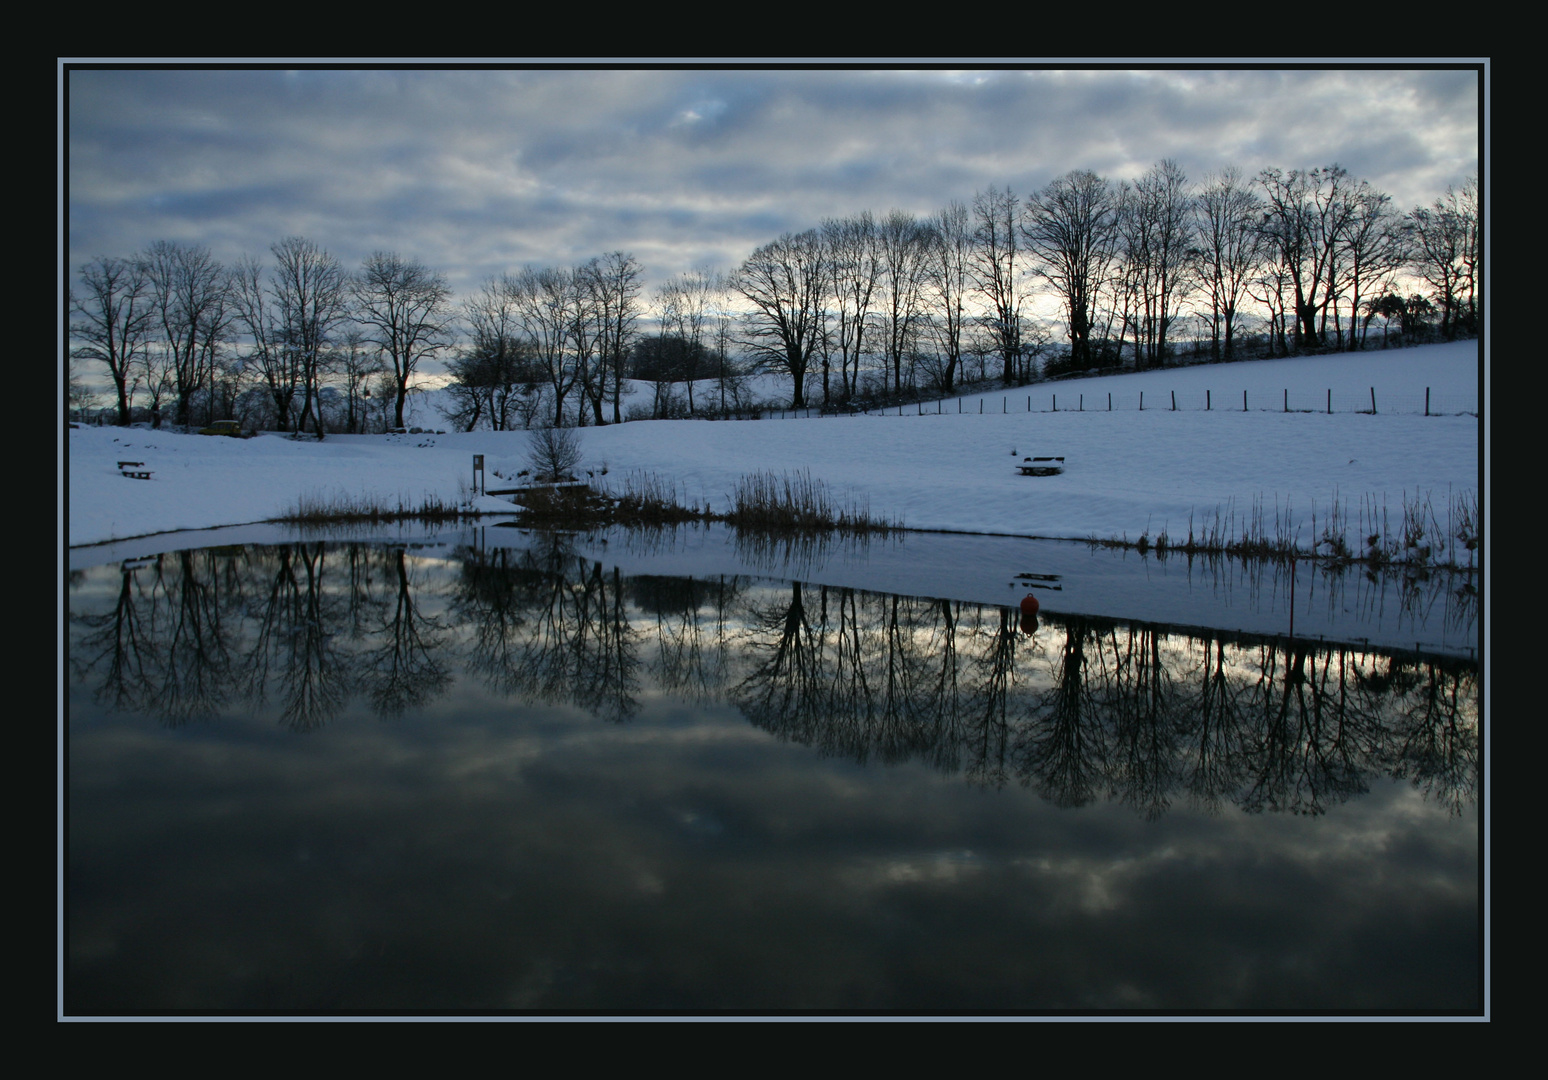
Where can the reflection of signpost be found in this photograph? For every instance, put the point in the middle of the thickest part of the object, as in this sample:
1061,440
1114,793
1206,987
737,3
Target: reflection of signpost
478,473
1292,596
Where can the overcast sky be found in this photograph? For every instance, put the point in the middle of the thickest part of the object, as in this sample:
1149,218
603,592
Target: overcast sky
480,171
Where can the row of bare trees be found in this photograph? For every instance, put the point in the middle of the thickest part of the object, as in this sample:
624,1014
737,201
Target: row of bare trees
1317,253
858,306
548,337
898,294
175,325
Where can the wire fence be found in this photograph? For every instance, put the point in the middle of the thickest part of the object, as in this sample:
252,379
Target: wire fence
1329,401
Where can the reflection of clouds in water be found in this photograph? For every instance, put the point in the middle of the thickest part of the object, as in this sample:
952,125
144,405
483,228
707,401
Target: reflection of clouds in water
520,843
538,876
943,867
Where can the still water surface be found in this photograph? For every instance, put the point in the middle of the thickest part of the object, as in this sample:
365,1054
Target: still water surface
488,770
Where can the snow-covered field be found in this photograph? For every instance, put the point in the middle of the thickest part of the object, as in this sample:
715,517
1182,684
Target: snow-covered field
1129,472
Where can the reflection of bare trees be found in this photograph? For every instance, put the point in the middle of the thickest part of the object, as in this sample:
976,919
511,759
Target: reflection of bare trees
119,648
860,674
1145,713
784,691
195,673
606,663
940,708
1307,745
405,669
550,626
296,640
692,632
492,603
163,647
1059,746
1435,744
1088,708
1123,710
1214,757
987,723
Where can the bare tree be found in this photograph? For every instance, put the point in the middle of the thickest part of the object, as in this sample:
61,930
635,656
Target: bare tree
258,313
310,300
585,313
554,453
79,397
157,369
405,309
995,214
1372,249
1305,213
1468,207
905,248
546,302
785,283
188,291
1071,227
110,319
1157,232
358,362
1445,237
948,281
493,378
1226,252
614,280
853,260
686,309
723,319
1270,286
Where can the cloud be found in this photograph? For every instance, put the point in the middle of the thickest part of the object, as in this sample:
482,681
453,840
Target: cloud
477,171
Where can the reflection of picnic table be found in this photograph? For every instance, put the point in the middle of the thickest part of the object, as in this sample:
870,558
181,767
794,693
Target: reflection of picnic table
1041,466
134,470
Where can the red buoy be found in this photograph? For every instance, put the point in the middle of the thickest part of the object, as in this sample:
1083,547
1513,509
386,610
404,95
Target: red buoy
1029,604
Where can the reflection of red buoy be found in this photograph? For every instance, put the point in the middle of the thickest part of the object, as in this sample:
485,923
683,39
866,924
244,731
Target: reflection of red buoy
1029,606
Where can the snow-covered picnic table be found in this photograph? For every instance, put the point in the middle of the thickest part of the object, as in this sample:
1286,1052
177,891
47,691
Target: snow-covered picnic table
1041,466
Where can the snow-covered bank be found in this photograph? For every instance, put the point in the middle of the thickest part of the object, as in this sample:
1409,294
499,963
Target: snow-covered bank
1129,472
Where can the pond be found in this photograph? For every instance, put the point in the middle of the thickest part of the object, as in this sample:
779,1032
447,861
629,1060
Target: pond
484,770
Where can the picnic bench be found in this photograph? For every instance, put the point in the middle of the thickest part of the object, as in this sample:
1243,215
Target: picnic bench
134,470
1041,466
